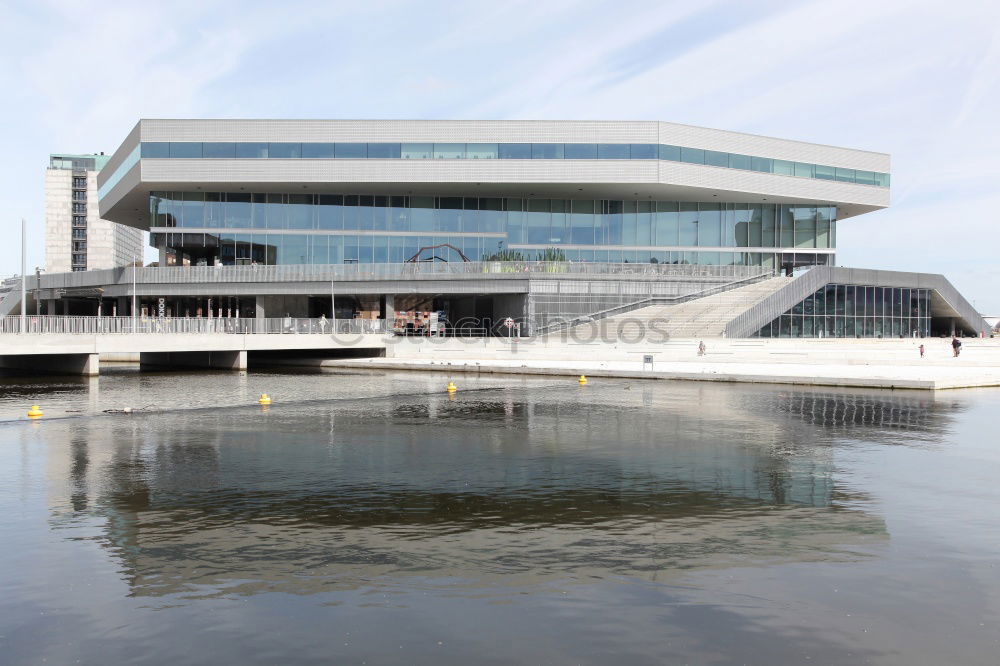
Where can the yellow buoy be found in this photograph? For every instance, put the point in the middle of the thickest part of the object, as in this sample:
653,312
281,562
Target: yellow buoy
451,387
34,412
582,380
265,399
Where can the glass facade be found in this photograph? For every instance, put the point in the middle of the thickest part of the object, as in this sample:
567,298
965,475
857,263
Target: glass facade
283,228
503,151
852,311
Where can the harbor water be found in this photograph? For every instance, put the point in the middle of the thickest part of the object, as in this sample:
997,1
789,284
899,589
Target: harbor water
372,518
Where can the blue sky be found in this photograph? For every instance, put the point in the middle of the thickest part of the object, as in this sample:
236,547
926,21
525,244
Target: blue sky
918,80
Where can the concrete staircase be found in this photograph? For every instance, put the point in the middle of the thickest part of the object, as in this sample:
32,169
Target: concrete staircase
699,318
11,300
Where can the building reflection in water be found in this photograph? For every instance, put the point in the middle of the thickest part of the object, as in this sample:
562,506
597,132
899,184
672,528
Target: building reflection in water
495,489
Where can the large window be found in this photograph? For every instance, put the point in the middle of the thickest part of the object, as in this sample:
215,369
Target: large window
509,151
838,310
521,223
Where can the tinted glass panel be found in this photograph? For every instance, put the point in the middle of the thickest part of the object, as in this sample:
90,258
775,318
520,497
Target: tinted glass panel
784,167
515,151
693,155
739,161
317,150
547,151
218,150
581,151
845,175
185,150
384,150
284,150
715,158
352,150
761,164
672,153
417,151
613,151
481,151
251,150
449,151
864,177
643,151
156,149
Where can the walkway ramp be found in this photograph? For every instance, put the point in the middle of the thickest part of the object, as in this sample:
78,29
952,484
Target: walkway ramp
704,317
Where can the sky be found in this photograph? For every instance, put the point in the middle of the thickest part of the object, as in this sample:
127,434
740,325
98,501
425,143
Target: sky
915,79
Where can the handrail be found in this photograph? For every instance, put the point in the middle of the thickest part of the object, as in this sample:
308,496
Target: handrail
72,325
359,272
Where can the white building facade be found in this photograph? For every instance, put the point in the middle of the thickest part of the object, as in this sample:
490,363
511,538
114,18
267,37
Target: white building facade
76,238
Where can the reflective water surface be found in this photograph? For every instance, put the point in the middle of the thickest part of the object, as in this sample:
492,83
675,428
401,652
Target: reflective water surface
369,518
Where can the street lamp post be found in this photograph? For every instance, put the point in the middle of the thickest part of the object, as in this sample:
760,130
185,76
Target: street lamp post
24,277
133,293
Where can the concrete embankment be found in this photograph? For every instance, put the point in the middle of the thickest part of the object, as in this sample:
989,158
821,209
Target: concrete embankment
834,362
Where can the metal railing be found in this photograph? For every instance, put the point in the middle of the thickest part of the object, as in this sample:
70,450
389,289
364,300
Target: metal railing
354,272
181,325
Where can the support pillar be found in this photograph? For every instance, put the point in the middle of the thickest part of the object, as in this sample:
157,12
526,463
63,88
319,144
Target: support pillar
50,307
389,308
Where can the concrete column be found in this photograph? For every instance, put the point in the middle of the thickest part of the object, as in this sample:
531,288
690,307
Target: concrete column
50,306
163,255
65,307
389,307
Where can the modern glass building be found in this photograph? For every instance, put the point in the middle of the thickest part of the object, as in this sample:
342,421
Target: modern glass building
332,192
643,210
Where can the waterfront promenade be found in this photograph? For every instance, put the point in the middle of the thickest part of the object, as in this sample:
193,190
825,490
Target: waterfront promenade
832,362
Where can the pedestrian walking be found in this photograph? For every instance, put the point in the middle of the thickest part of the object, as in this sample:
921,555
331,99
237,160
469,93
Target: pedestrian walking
322,326
921,351
956,346
701,348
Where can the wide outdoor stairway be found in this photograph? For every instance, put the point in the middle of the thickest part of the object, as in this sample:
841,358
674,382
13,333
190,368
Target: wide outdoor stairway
702,317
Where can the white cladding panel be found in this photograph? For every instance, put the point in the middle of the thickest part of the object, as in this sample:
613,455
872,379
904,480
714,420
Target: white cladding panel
273,172
510,131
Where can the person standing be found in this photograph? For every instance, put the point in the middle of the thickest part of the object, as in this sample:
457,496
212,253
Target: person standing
956,346
701,348
921,351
